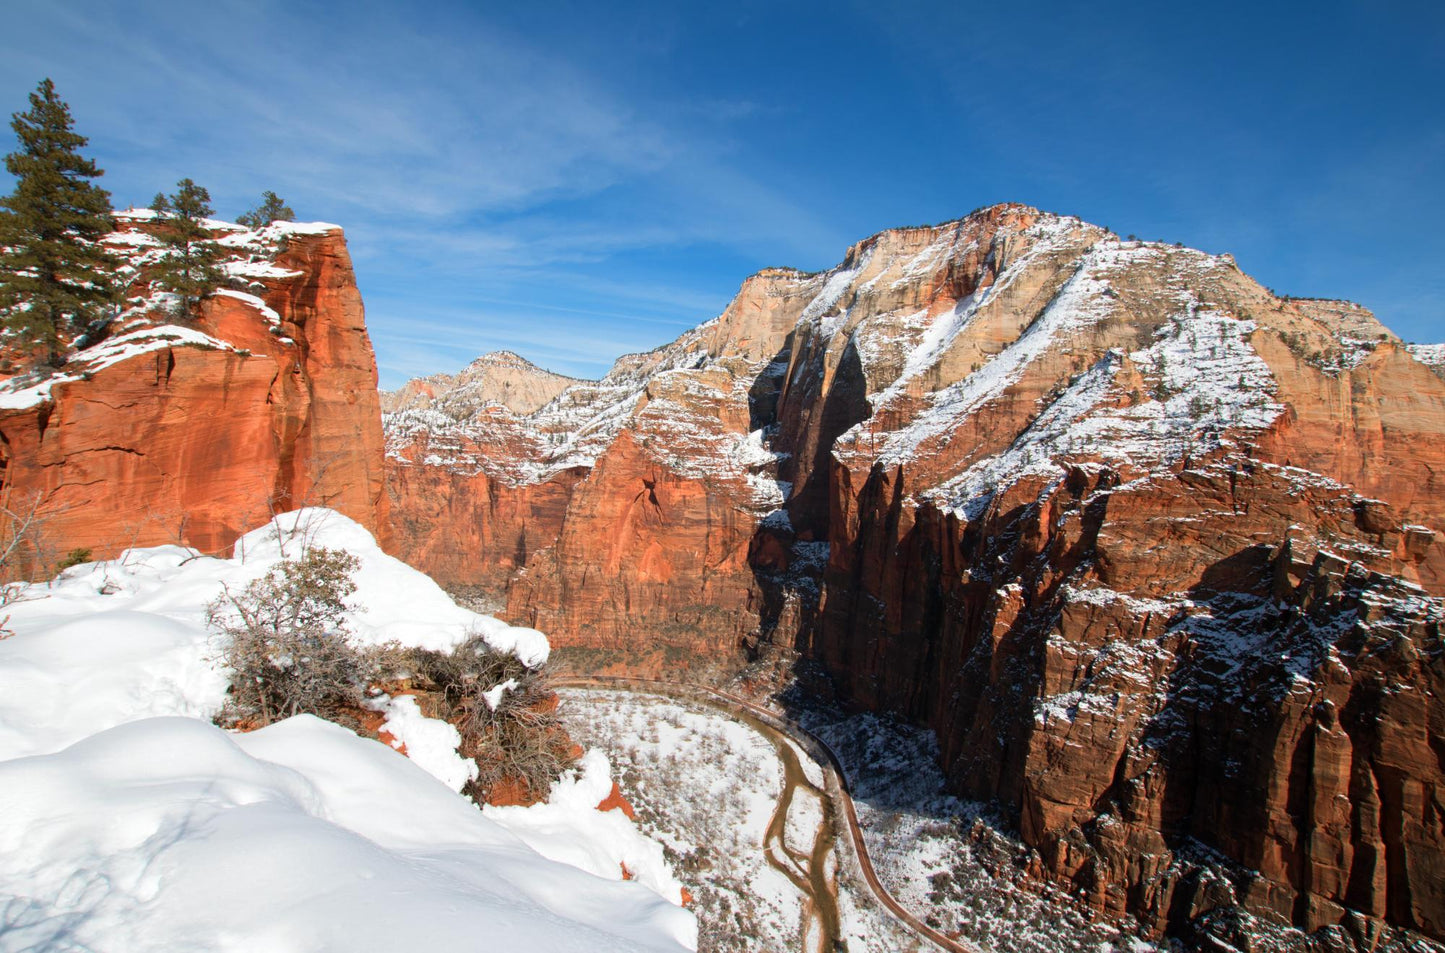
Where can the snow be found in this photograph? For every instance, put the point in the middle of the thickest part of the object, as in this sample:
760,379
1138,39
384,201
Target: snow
1432,355
258,270
1209,382
948,861
946,245
135,239
494,694
26,391
1101,596
677,401
301,228
834,287
752,451
1204,383
705,786
940,335
1081,302
568,828
126,346
139,622
805,815
266,310
20,392
138,664
430,742
170,835
393,601
129,822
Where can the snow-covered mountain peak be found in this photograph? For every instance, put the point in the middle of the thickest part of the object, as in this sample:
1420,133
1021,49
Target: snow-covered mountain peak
972,349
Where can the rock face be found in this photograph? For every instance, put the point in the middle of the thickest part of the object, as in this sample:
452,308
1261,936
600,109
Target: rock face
160,430
1158,555
620,514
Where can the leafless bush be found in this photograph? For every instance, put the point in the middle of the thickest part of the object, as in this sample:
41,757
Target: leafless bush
513,735
22,531
286,642
287,645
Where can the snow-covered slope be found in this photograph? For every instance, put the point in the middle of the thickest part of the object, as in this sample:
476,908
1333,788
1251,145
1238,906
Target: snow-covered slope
1040,337
128,822
1431,355
457,431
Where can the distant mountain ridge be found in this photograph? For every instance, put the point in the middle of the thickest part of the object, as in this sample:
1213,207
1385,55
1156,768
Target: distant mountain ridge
501,377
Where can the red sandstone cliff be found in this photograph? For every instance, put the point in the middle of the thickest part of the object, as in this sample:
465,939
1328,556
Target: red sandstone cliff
1157,554
195,431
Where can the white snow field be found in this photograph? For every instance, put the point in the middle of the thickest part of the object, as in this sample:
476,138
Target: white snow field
128,822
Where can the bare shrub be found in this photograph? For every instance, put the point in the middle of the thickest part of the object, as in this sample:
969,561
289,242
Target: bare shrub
287,644
22,535
289,651
514,735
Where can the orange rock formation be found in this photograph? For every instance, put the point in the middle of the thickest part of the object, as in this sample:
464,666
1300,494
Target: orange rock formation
170,431
1157,554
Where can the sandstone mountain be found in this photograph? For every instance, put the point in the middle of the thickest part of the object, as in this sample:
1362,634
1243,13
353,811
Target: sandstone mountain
1157,553
166,430
500,378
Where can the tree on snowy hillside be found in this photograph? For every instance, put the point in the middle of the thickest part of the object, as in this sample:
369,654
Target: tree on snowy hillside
55,278
271,209
188,269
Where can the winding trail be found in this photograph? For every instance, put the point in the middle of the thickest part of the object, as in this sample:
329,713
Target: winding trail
808,872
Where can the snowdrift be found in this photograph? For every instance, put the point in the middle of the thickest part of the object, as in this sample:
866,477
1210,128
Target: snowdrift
128,822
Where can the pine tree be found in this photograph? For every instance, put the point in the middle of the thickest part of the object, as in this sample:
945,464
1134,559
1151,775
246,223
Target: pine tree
188,269
271,209
55,278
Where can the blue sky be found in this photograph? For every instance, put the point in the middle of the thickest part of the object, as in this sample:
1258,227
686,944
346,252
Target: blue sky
577,180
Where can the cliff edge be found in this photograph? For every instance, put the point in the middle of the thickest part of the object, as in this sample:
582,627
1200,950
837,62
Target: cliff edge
166,430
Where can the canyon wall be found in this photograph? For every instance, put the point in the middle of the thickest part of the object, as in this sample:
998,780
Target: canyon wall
161,429
1156,553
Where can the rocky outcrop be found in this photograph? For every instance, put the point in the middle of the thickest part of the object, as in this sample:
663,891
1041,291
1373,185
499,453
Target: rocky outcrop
1157,554
164,430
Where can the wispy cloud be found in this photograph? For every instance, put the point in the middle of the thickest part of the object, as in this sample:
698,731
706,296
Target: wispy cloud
466,162
554,156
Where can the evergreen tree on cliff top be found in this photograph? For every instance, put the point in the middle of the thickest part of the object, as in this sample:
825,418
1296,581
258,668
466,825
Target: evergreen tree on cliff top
271,209
188,270
55,278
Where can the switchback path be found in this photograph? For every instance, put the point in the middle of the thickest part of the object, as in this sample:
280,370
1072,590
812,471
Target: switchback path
835,782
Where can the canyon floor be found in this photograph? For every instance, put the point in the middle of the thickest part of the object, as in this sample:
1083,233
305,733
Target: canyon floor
736,802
